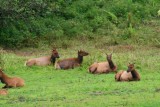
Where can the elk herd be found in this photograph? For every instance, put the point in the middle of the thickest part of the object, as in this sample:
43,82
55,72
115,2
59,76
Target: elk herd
106,67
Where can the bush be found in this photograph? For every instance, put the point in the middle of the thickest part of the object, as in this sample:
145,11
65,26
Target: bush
24,22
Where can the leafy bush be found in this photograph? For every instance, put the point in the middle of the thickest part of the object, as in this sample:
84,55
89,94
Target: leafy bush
1,59
24,22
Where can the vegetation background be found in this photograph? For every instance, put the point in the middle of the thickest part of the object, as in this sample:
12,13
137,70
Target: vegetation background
27,23
128,28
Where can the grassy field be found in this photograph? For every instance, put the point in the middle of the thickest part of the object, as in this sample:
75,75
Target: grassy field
47,87
130,29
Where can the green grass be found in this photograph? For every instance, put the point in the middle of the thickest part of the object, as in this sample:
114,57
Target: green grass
47,87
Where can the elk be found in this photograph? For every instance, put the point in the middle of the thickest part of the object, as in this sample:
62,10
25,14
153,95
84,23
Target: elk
71,63
130,75
10,81
43,61
103,67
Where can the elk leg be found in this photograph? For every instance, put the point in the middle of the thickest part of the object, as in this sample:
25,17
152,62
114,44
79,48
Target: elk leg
5,86
93,69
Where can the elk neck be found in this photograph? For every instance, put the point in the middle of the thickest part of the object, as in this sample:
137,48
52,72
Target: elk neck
133,72
80,59
4,78
111,64
53,59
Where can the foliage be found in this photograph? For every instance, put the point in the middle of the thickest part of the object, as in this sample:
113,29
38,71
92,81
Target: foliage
25,23
1,59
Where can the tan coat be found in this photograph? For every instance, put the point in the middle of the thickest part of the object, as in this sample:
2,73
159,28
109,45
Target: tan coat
101,67
130,75
126,76
42,61
118,75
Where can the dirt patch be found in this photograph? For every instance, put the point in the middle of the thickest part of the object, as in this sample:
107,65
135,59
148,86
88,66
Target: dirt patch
157,90
97,93
23,53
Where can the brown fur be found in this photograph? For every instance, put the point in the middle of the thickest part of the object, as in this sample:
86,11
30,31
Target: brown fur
10,81
130,75
43,61
71,63
103,67
3,92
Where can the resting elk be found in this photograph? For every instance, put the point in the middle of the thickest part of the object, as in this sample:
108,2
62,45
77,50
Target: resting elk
130,75
43,61
71,63
10,81
103,67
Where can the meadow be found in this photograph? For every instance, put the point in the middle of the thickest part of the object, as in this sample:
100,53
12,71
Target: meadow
130,29
46,87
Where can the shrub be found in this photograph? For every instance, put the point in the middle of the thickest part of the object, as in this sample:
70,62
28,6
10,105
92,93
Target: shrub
24,22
